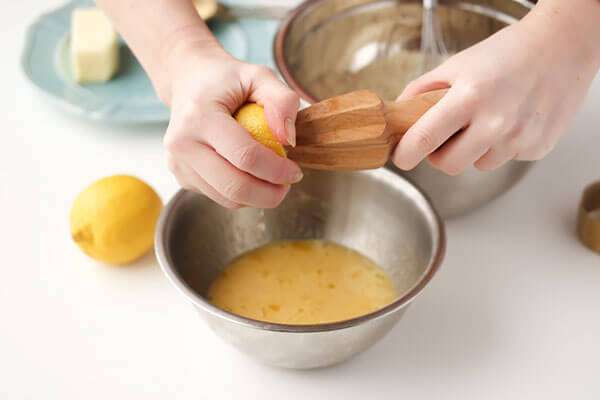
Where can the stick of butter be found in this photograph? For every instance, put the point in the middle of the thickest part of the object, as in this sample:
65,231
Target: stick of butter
94,46
206,8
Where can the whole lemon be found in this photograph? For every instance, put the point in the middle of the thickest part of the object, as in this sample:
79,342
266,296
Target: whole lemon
113,219
252,117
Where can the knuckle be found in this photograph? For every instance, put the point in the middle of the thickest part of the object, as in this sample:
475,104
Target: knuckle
260,71
236,190
493,129
192,113
280,173
174,143
424,141
275,199
497,124
471,94
247,157
290,97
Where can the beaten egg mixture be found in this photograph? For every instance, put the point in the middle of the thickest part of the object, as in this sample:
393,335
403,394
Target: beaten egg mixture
302,282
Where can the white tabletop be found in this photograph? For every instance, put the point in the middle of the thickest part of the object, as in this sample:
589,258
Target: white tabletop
513,313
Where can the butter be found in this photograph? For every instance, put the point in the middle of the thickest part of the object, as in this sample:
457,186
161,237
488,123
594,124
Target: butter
94,46
206,8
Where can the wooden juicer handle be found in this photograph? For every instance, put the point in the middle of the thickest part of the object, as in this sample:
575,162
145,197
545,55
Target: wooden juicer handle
356,130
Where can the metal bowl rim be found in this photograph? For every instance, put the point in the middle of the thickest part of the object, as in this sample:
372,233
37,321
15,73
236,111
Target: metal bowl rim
435,261
280,61
284,28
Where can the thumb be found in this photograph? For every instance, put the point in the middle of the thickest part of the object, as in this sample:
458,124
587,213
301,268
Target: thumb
432,80
280,103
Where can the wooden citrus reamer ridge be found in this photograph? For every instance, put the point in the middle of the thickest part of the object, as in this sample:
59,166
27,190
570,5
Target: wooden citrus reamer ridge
355,131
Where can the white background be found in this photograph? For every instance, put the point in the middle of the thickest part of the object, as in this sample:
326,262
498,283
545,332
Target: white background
513,313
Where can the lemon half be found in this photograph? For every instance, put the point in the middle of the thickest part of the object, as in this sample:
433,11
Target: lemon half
252,117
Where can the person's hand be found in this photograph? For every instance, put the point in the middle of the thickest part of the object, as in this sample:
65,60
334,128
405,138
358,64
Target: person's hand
511,96
208,151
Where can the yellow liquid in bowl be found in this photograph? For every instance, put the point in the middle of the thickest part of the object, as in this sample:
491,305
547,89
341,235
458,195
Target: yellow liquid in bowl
302,282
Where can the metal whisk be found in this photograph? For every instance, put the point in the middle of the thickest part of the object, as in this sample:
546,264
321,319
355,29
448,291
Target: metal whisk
433,49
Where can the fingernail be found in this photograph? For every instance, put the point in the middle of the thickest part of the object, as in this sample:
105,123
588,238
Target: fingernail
290,130
297,177
396,162
401,163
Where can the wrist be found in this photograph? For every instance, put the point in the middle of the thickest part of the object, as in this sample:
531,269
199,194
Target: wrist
185,48
573,28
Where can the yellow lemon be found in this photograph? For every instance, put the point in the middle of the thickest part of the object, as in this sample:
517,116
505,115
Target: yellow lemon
113,219
252,117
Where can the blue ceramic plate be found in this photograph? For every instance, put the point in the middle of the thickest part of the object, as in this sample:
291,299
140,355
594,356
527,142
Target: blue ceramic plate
129,96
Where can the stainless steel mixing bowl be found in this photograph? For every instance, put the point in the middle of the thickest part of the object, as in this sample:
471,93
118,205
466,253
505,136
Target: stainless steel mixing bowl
329,47
376,212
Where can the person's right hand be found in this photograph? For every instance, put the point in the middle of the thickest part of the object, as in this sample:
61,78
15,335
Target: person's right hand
511,95
208,151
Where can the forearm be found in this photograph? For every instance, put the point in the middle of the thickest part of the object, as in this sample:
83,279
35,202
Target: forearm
573,24
157,29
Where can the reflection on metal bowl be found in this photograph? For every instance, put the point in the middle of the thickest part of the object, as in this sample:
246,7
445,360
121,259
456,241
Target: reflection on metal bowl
329,47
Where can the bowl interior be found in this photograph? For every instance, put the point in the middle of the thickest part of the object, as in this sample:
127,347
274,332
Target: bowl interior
375,212
330,47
